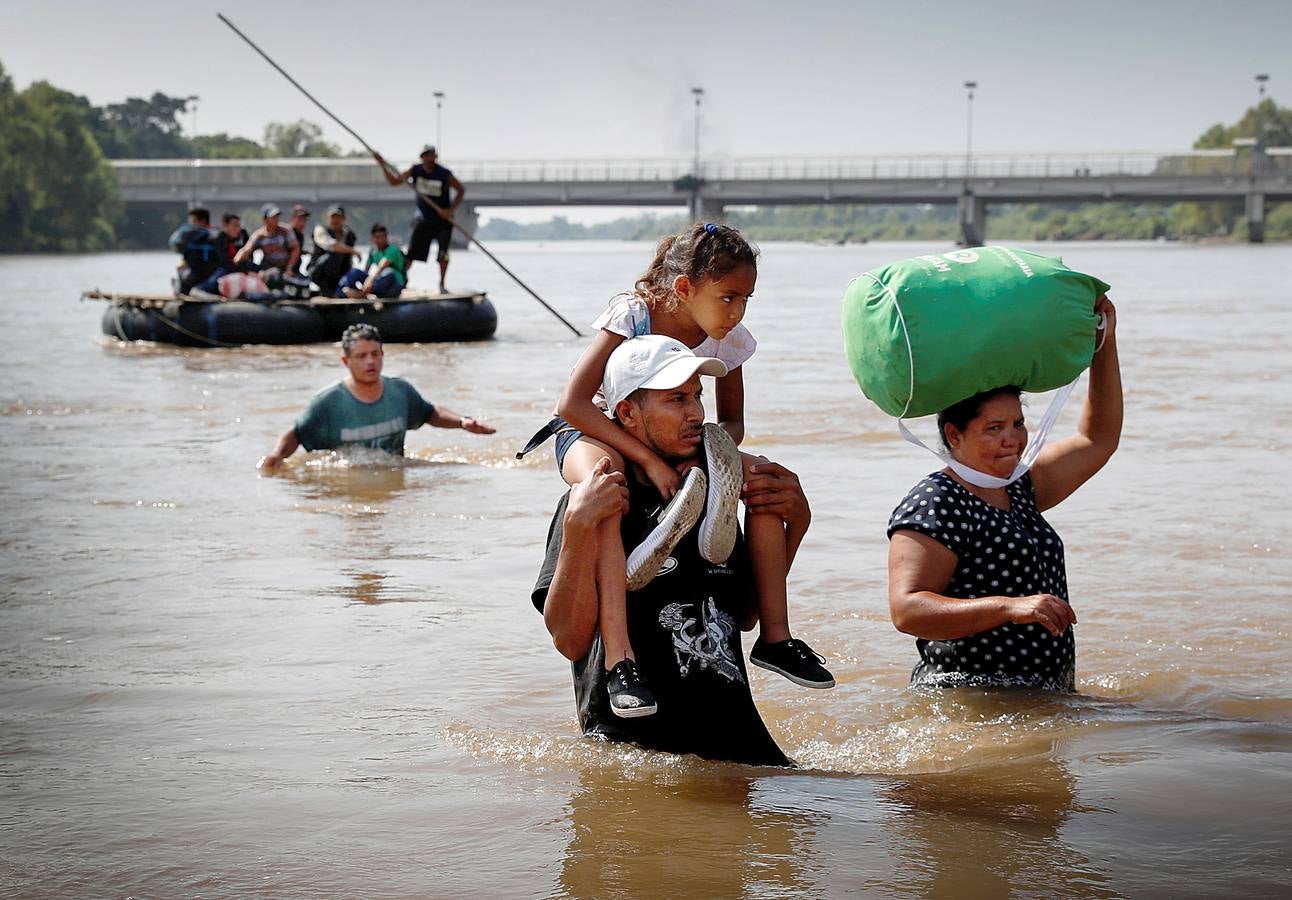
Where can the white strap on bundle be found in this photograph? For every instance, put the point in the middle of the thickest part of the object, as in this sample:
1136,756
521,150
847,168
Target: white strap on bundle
1034,445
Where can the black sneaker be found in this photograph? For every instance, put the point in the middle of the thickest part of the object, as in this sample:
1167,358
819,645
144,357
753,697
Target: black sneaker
630,698
795,660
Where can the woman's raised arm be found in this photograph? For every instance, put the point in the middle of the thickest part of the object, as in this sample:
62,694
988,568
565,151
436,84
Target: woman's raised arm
1065,465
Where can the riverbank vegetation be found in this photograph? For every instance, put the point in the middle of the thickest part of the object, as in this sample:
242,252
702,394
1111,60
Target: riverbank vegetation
852,224
57,193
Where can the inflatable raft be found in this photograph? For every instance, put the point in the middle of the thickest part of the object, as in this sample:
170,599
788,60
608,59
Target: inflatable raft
191,322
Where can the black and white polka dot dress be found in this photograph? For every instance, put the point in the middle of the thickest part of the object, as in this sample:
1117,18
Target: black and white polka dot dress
1011,553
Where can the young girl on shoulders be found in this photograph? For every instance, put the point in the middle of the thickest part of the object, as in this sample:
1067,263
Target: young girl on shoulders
695,291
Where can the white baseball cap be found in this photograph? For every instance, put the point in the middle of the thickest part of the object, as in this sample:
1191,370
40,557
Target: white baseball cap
654,362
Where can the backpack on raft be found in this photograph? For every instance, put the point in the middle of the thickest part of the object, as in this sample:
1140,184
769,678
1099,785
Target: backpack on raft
922,334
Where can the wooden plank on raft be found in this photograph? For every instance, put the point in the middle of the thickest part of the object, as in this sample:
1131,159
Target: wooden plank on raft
139,298
157,300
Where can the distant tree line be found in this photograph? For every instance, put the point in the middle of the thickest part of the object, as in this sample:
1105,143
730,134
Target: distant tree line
57,193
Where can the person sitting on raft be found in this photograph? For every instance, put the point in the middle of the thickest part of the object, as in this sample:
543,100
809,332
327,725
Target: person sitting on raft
975,573
386,277
300,218
195,243
367,409
333,248
232,238
279,249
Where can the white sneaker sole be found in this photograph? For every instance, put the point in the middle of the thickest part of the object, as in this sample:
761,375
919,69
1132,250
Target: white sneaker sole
635,712
679,517
818,685
726,476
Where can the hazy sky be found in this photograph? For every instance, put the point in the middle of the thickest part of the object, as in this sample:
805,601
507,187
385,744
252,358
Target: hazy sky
565,78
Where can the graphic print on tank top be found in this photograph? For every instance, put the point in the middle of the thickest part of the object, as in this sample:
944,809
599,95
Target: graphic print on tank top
702,638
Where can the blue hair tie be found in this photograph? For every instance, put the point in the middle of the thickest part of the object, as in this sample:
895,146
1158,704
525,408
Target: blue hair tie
711,228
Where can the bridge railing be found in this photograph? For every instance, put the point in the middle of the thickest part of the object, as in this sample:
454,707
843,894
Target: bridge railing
207,172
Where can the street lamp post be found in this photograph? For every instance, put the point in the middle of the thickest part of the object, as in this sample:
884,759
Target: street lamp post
1258,151
439,103
972,209
695,168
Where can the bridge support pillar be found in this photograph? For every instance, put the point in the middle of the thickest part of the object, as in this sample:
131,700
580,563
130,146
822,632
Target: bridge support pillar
1256,218
973,220
706,209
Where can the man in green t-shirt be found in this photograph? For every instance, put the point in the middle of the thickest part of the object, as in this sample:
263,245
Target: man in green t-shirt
382,274
366,409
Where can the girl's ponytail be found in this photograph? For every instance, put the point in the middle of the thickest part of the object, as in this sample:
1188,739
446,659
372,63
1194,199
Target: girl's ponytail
654,284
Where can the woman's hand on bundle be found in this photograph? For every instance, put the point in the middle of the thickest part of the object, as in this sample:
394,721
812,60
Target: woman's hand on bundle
1108,319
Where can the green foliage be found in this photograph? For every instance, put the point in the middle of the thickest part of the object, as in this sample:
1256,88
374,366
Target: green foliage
1267,122
298,139
845,223
56,190
850,224
1278,222
17,142
142,129
558,228
225,146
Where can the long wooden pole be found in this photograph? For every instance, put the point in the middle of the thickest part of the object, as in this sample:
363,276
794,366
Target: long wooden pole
354,134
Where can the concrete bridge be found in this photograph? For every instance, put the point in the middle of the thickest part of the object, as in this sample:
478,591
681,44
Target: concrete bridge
1251,175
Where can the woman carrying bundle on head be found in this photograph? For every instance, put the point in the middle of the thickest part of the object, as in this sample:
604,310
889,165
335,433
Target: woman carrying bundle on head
975,572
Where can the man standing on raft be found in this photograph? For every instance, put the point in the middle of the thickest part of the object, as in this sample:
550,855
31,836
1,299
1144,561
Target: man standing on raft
434,208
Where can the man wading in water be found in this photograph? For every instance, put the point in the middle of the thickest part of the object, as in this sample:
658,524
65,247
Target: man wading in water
367,409
685,624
